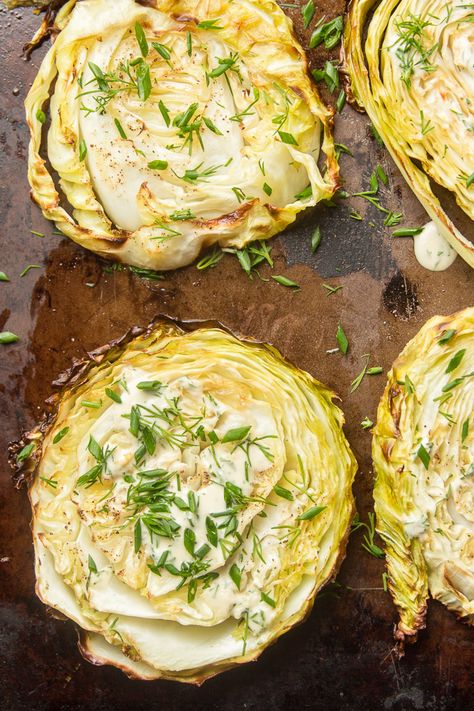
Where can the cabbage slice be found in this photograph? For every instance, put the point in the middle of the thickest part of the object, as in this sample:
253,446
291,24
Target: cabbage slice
176,127
191,495
410,67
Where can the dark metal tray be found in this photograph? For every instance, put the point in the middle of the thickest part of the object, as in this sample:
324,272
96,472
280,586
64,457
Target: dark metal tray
341,657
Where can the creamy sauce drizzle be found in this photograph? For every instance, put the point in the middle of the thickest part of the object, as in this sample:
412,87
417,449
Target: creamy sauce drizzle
432,251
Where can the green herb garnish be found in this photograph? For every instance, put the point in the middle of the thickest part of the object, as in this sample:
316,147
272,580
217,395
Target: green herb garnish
7,337
341,339
60,435
284,281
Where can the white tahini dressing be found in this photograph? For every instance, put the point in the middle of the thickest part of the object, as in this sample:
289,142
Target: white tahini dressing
432,250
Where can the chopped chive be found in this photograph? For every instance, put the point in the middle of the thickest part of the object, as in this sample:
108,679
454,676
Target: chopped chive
211,532
25,453
341,339
311,513
465,430
330,33
7,337
143,81
266,598
307,13
153,385
236,434
3,277
164,112
359,378
446,336
113,395
407,232
341,148
283,493
211,259
41,116
392,219
189,43
93,405
376,135
50,482
162,50
315,239
455,361
82,150
137,535
209,25
424,455
267,189
185,214
28,268
211,126
120,128
158,164
452,384
332,289
189,540
60,435
408,385
235,575
341,101
288,138
91,564
284,281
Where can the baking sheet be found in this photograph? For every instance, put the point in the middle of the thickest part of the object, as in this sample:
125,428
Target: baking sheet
341,657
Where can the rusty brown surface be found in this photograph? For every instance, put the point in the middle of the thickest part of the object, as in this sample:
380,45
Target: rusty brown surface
341,657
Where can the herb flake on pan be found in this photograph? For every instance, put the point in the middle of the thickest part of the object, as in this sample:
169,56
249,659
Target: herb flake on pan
341,339
210,260
374,370
307,12
284,281
329,75
330,290
25,453
29,268
7,337
369,536
328,32
315,239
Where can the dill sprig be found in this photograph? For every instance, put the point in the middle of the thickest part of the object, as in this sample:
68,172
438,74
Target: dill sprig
412,51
